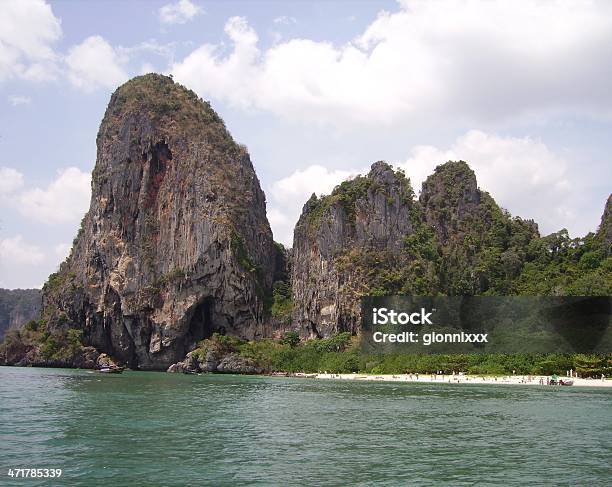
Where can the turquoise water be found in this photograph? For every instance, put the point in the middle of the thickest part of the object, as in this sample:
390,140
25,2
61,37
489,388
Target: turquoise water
150,429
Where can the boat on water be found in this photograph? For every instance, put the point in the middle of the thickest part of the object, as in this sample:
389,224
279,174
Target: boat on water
110,369
555,381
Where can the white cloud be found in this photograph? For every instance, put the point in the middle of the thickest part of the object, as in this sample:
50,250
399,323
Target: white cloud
285,20
95,64
466,60
224,76
180,12
147,68
164,50
17,100
11,181
302,183
28,30
61,251
522,174
24,264
16,251
64,200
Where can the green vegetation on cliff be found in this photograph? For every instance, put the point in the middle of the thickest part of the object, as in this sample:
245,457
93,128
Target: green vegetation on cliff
38,346
282,303
559,265
462,243
162,97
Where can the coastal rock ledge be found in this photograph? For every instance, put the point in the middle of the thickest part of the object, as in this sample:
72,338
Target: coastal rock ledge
211,362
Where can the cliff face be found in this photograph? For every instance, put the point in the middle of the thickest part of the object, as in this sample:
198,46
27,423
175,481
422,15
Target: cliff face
176,244
450,198
361,225
481,247
17,307
371,237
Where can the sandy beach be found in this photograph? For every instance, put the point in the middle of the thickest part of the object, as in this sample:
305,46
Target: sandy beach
534,380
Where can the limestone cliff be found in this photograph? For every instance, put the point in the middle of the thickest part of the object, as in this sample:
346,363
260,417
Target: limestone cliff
176,244
372,237
481,247
451,198
339,242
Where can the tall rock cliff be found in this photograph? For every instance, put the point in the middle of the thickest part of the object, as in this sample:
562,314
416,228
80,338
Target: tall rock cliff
481,247
339,243
176,244
372,237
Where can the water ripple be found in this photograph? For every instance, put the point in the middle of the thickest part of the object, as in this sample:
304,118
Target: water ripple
166,429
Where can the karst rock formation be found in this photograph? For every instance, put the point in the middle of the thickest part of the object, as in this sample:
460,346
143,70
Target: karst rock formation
176,244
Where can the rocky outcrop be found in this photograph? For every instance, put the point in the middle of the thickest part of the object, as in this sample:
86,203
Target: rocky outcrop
84,358
481,247
176,248
17,307
226,363
235,364
176,244
338,238
372,237
189,365
450,198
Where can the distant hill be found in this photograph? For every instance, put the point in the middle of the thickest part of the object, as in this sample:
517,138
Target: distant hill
17,307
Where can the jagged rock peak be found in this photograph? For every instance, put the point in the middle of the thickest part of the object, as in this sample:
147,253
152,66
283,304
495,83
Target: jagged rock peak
364,218
176,244
310,204
373,238
454,181
382,172
350,201
449,196
159,97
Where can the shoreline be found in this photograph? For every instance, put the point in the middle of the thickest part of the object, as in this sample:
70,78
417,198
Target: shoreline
528,380
533,380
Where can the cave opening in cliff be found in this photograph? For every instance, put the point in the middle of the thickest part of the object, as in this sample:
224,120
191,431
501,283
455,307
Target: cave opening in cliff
160,156
201,323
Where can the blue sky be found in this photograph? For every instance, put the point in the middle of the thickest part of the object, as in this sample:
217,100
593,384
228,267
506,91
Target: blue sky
317,91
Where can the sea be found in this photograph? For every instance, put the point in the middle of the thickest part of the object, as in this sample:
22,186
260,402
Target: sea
159,429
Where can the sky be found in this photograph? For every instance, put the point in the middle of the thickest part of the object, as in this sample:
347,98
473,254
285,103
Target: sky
317,91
